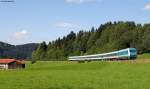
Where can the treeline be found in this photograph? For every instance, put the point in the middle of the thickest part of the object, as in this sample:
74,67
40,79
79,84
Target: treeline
108,37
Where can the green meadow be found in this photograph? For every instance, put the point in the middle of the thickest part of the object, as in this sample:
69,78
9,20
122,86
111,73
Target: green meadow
144,56
73,75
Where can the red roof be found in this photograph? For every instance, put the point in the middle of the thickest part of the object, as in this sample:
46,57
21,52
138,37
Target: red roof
6,61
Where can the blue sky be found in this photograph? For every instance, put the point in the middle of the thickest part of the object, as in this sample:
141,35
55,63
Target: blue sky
27,21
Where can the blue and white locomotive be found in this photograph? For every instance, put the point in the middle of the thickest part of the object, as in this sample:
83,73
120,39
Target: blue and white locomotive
129,53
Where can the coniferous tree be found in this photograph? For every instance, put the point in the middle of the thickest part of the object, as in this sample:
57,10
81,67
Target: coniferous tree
108,37
40,52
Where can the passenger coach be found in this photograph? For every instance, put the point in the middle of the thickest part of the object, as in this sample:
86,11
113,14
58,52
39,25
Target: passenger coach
129,53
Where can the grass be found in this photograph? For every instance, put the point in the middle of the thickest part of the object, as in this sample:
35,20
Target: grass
72,75
144,56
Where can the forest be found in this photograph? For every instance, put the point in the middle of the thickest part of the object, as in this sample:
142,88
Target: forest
107,37
17,51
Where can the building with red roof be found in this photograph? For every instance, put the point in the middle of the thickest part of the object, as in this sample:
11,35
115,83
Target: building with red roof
11,64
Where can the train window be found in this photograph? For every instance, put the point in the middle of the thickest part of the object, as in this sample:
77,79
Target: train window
133,51
109,55
123,53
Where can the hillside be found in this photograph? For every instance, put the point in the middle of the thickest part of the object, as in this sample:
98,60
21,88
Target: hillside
107,37
16,51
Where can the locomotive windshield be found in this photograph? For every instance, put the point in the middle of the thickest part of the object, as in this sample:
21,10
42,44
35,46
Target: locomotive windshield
133,53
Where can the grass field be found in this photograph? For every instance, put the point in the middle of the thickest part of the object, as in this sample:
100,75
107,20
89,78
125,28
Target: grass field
73,75
144,56
69,75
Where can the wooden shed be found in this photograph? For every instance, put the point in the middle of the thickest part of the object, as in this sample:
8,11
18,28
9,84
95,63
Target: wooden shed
11,64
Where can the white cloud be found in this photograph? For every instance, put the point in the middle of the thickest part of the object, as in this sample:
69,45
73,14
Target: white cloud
18,37
67,25
147,7
20,34
79,1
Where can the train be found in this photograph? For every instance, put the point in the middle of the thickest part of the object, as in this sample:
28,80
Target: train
124,54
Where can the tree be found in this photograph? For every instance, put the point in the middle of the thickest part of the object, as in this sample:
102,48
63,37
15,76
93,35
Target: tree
146,38
34,57
106,38
40,52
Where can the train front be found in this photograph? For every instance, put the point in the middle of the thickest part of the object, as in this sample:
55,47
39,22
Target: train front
133,53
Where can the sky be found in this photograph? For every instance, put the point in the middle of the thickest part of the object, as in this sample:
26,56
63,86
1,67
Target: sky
34,21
